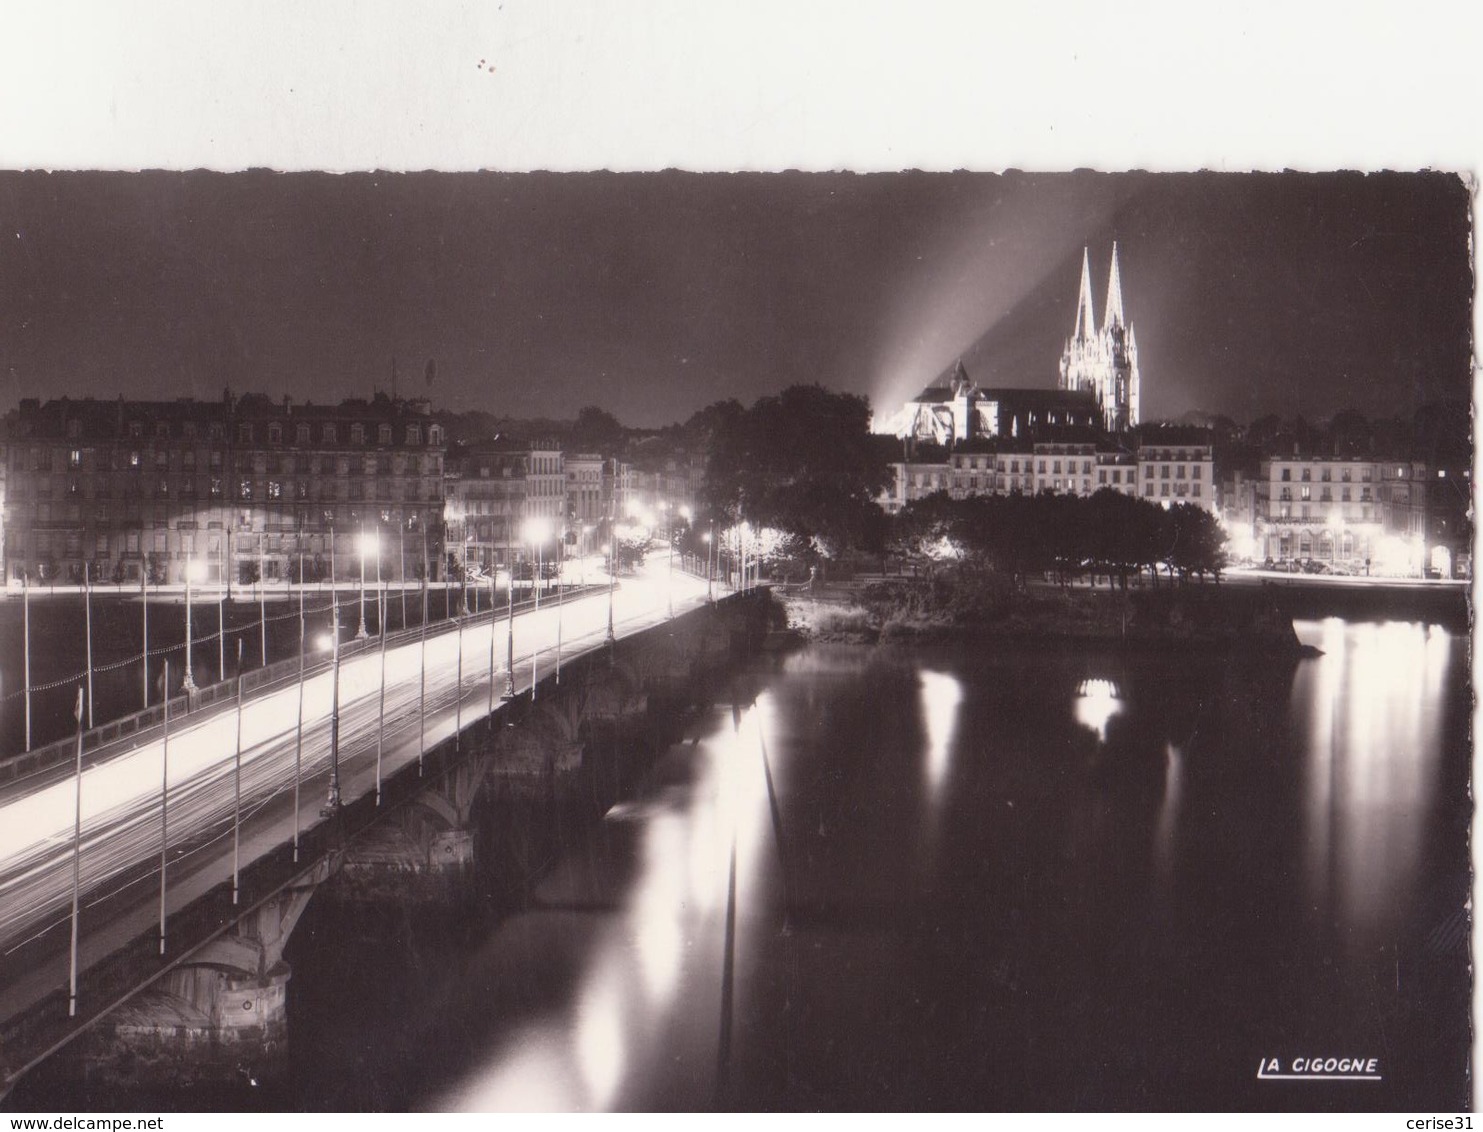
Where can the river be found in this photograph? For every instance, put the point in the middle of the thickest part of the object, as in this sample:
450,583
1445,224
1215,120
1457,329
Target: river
960,876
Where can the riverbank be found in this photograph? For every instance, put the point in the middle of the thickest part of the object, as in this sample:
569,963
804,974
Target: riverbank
956,604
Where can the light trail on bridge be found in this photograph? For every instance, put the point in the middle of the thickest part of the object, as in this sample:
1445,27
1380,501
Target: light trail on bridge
121,796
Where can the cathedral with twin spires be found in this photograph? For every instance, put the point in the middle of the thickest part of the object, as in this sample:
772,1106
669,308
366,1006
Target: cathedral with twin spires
1098,386
1103,362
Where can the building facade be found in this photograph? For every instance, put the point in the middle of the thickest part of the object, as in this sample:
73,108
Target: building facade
1073,465
1171,473
120,491
487,486
1362,516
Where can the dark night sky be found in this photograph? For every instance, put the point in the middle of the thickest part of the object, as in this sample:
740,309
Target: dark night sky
654,294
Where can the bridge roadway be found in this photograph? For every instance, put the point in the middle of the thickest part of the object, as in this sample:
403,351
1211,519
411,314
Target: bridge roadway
121,812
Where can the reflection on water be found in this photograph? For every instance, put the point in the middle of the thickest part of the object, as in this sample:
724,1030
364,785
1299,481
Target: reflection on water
1097,702
651,976
1369,708
941,694
1138,882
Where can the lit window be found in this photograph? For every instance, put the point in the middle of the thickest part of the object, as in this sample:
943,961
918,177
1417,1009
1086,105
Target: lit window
275,489
244,489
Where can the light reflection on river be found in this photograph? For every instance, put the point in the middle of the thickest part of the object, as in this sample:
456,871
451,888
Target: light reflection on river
1021,877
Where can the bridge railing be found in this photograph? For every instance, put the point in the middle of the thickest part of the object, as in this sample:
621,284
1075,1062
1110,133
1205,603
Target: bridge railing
141,724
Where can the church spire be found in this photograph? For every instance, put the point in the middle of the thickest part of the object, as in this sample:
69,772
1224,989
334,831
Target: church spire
1086,315
1114,294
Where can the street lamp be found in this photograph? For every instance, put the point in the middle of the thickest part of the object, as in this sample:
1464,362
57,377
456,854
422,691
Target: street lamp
537,531
669,539
710,539
610,551
509,580
332,802
560,593
192,573
370,543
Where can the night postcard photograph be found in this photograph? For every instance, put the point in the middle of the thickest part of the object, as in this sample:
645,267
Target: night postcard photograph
734,640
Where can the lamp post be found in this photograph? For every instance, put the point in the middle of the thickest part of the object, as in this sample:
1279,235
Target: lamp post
669,539
332,800
237,789
221,616
192,568
76,865
144,597
164,805
536,533
611,549
26,602
710,539
458,689
365,541
493,577
381,716
87,574
262,599
560,605
685,514
422,659
299,727
509,633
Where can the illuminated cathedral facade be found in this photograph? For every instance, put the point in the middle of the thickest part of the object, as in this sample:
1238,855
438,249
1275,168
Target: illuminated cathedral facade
1103,362
1098,386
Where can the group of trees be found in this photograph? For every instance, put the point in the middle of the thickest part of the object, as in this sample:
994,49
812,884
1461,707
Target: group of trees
1106,534
801,463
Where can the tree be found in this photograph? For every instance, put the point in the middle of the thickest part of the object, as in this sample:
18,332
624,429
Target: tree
596,430
1195,541
802,462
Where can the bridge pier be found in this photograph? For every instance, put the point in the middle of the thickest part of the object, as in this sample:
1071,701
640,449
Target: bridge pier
421,851
218,1017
